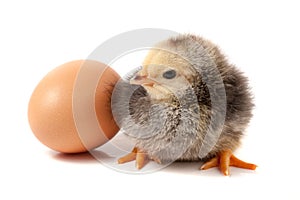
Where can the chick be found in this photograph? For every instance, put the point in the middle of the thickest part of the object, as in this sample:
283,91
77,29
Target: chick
187,103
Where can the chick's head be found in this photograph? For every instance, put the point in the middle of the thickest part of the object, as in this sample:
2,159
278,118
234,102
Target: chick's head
164,74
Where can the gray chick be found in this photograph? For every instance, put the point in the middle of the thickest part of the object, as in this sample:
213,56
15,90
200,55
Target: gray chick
186,103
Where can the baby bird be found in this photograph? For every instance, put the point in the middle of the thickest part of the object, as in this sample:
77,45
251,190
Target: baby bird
186,103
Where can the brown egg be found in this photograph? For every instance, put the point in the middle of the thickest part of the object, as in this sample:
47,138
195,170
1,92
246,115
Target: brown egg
69,110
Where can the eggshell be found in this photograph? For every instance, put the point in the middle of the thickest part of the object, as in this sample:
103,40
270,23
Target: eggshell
69,110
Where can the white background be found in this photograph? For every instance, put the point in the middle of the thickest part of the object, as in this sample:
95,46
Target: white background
260,37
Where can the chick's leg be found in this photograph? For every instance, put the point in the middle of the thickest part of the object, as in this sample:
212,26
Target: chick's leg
136,154
129,157
224,160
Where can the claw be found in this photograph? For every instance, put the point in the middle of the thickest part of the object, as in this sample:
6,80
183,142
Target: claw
226,159
136,154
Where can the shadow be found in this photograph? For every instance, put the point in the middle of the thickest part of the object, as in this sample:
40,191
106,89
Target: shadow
100,155
81,158
183,168
192,168
187,168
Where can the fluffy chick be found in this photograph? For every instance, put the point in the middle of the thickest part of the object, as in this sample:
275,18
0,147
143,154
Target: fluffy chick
186,103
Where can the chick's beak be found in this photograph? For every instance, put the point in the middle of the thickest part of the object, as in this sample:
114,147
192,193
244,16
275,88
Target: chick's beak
141,80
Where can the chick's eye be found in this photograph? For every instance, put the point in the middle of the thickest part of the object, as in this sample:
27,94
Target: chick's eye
169,74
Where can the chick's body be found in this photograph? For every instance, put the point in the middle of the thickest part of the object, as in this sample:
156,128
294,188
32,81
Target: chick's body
188,103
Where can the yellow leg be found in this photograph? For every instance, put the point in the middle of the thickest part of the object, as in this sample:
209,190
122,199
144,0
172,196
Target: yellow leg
226,159
136,154
129,157
214,162
141,159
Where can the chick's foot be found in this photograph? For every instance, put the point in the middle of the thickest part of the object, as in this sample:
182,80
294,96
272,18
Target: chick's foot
136,154
226,159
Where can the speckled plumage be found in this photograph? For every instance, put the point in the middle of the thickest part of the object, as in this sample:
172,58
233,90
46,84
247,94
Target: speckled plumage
176,127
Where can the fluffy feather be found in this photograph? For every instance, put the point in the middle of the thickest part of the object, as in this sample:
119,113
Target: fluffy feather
180,118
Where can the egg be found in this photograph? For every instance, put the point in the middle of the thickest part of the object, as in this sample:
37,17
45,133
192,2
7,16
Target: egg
70,110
